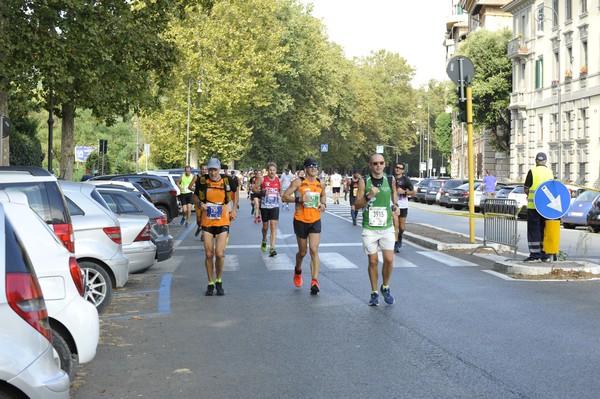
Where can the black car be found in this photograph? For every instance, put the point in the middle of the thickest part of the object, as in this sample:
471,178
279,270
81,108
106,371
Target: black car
433,190
458,197
123,202
164,195
421,189
450,184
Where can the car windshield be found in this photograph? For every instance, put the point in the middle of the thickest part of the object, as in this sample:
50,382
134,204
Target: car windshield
518,190
587,196
435,184
505,191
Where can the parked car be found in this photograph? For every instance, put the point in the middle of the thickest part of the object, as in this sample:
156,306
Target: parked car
443,191
32,371
458,197
577,215
415,181
44,197
128,203
433,189
518,194
123,185
73,320
593,216
421,189
99,248
163,193
137,243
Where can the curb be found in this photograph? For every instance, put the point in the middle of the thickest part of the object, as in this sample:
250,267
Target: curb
518,267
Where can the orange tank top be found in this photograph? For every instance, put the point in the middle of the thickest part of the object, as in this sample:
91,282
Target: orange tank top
308,212
217,212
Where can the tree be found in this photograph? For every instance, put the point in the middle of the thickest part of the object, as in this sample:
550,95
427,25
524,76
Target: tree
492,83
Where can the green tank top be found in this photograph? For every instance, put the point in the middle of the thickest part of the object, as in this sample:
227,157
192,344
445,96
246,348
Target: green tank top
377,215
185,183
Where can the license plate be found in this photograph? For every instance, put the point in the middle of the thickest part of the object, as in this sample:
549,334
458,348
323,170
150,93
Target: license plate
453,199
576,213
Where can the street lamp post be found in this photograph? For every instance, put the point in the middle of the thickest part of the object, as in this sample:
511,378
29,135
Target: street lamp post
540,17
187,138
429,171
420,139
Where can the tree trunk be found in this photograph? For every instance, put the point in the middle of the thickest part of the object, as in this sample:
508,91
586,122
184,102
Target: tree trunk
67,146
5,141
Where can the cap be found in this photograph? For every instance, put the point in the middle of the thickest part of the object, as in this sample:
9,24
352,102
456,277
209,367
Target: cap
308,162
214,163
541,156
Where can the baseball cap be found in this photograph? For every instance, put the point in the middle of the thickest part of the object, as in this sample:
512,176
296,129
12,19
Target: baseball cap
214,163
541,156
310,162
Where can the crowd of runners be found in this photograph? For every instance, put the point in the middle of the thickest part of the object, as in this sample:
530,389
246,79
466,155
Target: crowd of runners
381,198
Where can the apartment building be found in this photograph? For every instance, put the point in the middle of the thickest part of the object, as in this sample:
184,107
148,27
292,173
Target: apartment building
555,102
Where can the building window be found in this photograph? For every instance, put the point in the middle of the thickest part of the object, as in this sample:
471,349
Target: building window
553,167
555,127
522,77
556,67
584,55
569,60
539,73
584,123
540,19
569,136
555,13
567,172
568,10
540,129
581,173
583,6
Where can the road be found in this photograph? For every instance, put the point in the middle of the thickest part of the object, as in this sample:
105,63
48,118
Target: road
457,329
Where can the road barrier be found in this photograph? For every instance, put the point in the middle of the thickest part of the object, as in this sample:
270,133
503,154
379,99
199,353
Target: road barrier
500,223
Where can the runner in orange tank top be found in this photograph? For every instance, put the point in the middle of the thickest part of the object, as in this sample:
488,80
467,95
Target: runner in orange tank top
307,220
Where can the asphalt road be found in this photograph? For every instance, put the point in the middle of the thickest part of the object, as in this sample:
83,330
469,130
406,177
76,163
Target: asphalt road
457,330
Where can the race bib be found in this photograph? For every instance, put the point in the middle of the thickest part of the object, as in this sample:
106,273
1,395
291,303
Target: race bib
214,211
271,199
377,216
313,200
354,191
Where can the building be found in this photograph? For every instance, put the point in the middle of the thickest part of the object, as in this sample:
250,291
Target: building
555,101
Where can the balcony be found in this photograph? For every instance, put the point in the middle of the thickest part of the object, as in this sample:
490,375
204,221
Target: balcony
517,48
517,100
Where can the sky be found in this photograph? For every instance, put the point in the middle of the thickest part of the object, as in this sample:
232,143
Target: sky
413,29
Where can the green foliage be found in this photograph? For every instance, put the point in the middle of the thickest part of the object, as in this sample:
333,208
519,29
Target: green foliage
443,134
25,148
492,83
94,162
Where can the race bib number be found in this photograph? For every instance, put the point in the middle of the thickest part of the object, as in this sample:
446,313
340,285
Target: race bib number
377,216
313,200
271,199
354,191
214,211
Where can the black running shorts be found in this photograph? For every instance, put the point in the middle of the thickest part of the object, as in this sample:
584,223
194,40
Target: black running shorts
302,230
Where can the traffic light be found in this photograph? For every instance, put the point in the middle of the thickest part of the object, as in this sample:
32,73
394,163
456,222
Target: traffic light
462,106
103,146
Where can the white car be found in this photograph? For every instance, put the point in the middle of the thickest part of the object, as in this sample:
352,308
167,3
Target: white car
73,320
27,364
137,243
97,242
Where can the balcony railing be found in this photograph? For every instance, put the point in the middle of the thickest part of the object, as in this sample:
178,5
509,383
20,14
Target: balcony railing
517,48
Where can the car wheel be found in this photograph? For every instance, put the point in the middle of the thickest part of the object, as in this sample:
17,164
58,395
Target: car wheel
98,286
458,207
568,226
165,212
63,356
9,392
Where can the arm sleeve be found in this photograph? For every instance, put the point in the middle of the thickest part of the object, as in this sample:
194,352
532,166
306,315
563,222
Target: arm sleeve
528,179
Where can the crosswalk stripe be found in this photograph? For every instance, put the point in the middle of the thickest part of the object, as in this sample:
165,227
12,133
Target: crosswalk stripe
398,261
446,259
334,260
279,262
231,263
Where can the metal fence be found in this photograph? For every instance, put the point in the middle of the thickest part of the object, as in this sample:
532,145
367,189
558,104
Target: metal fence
500,223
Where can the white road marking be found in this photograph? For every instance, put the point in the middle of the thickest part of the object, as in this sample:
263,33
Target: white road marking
279,262
447,260
334,260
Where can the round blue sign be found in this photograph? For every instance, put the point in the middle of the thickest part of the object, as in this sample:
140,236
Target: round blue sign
552,199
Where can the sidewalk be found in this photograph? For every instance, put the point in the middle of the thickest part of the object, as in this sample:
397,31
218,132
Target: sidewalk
440,239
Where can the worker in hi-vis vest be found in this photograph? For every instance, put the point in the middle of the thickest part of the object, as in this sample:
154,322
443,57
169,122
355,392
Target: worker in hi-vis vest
536,222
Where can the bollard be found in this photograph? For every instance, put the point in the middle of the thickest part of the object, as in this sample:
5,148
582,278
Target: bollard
552,237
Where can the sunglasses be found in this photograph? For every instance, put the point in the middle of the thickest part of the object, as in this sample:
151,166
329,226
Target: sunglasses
377,163
312,166
400,167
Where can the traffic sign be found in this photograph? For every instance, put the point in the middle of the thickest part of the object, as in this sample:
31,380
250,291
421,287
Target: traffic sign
324,147
379,149
82,152
459,68
552,199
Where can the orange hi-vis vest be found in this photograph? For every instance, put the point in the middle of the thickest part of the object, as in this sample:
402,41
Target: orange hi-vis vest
217,212
308,212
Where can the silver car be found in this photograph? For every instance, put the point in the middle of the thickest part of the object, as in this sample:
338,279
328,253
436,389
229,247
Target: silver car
27,365
137,243
132,203
97,242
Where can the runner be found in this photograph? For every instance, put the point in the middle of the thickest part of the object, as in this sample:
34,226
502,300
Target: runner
307,220
214,194
255,198
286,180
376,194
352,190
185,198
404,188
269,189
192,187
336,185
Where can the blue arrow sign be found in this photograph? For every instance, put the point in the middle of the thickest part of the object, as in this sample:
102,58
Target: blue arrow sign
552,199
324,147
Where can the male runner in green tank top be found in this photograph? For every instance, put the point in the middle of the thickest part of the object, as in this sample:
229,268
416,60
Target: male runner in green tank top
377,195
183,183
